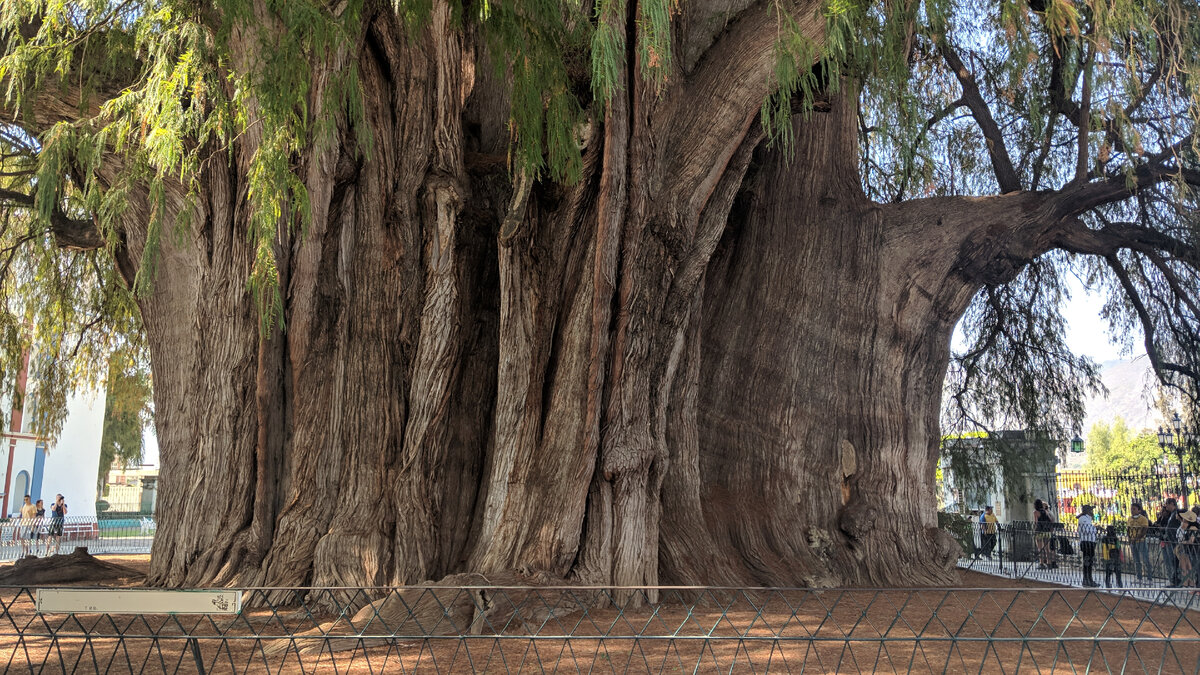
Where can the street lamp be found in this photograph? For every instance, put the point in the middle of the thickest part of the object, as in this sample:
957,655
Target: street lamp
1178,438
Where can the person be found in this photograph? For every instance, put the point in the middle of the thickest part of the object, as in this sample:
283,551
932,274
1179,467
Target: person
1166,526
28,524
1087,544
1043,535
39,526
1138,525
1189,543
987,537
58,515
1110,551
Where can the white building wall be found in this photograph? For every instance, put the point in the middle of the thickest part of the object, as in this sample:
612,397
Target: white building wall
22,461
73,461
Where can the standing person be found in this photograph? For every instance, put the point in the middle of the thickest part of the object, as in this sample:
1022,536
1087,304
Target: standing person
1138,525
1043,535
1167,528
1087,545
1110,550
1189,542
28,529
39,525
988,524
58,515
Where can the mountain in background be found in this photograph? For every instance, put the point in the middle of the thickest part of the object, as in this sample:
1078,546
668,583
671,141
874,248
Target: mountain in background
1130,385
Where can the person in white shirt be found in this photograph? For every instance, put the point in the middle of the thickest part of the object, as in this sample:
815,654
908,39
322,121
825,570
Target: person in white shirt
1087,544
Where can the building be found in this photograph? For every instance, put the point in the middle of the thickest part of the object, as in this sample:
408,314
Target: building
41,468
997,469
131,490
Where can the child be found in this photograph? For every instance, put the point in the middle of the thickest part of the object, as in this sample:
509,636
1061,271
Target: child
1110,551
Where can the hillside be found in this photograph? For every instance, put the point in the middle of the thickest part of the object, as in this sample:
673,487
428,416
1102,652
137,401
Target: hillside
1130,395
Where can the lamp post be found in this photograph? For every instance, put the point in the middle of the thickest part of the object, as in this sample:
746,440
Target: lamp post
1177,438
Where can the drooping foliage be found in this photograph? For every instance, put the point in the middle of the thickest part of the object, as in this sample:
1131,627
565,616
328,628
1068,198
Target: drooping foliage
1094,100
65,312
128,406
976,464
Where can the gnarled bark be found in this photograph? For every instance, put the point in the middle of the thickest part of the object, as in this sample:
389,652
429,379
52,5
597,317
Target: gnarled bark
708,361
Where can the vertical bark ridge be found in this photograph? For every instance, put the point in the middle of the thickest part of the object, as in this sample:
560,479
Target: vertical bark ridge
631,386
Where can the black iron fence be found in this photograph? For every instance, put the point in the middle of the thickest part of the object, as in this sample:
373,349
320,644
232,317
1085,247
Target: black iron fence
643,630
1112,492
1153,559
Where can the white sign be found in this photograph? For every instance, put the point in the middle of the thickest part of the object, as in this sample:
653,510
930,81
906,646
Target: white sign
136,601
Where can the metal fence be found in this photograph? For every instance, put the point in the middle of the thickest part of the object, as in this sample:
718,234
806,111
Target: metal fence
109,533
1112,492
642,630
1060,556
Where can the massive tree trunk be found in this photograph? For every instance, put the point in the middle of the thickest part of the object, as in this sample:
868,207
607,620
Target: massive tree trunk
704,362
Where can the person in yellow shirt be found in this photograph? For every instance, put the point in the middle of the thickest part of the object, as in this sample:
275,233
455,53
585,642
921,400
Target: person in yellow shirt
28,529
987,535
1110,551
1139,524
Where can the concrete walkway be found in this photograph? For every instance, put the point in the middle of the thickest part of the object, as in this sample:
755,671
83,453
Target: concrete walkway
1072,577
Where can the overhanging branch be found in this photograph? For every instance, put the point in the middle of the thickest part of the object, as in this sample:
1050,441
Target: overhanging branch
1002,164
69,233
1077,237
1148,327
1079,199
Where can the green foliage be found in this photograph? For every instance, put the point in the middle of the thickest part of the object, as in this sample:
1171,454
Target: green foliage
531,43
1116,449
976,463
961,528
66,312
164,87
128,407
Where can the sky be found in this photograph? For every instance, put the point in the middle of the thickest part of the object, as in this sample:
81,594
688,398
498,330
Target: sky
1087,332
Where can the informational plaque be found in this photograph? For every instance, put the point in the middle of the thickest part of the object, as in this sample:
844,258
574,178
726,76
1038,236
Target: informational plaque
137,601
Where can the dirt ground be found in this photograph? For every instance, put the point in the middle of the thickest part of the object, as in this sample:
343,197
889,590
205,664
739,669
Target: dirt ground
989,625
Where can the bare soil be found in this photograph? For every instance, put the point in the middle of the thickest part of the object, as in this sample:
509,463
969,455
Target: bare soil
990,625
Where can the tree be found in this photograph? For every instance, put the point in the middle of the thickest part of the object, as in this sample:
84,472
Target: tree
620,292
1115,449
127,414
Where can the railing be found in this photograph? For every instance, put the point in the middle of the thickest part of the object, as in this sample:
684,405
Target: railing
645,630
1112,492
1060,556
118,533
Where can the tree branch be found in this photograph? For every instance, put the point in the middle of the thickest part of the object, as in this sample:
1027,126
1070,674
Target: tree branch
69,233
1173,281
1077,237
719,100
1077,199
1148,327
929,124
1002,164
1085,119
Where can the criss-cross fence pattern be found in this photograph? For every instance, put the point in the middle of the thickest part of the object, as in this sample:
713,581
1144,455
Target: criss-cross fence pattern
1151,560
108,533
656,630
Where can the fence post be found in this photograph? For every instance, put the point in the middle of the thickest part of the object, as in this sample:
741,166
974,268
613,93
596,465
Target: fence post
1000,546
